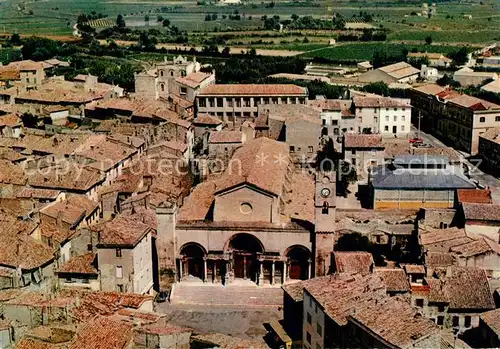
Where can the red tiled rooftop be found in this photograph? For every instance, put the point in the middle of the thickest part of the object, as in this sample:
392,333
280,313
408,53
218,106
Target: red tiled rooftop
83,264
122,231
353,262
477,196
363,141
225,137
207,119
253,90
103,332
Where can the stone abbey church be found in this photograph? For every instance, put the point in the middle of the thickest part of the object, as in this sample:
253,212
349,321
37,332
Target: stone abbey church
264,221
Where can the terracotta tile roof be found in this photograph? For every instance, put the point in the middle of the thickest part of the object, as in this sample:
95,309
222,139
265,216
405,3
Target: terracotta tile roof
481,212
468,288
253,90
23,251
121,231
473,248
414,269
83,264
363,141
197,204
72,210
432,236
103,332
9,74
193,80
430,89
439,259
396,322
448,152
380,102
55,108
178,146
395,279
25,65
143,316
207,119
299,201
290,113
342,295
353,262
11,155
492,320
11,173
165,330
473,103
34,193
33,343
264,163
478,196
399,70
10,120
493,134
225,137
330,104
223,341
76,178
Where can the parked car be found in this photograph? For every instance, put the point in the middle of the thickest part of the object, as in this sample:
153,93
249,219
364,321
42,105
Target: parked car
416,140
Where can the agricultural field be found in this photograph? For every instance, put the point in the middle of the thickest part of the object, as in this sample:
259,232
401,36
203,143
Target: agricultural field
450,28
365,51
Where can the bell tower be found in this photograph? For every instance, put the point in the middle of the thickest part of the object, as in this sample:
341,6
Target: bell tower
324,225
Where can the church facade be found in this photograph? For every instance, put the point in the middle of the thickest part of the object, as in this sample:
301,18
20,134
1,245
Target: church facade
255,221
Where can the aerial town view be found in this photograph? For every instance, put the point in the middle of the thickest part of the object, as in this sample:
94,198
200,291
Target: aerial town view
249,174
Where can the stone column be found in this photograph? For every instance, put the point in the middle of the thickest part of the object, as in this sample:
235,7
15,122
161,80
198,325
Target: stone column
180,269
244,267
285,271
261,273
272,273
309,269
226,275
205,270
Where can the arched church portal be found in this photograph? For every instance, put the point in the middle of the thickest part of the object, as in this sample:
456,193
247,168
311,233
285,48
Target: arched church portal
298,260
244,249
192,260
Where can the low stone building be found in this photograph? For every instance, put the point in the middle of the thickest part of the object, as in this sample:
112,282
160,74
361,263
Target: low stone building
125,255
455,297
239,102
489,150
363,152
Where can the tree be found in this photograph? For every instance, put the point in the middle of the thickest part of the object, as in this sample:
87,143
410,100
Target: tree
146,18
378,88
15,39
120,22
226,51
428,40
447,80
159,18
459,57
166,22
295,17
40,48
208,18
306,40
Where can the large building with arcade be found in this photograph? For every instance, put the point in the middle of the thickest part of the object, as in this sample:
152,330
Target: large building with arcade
255,221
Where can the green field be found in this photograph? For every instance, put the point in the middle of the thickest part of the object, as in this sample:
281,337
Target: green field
364,51
448,28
